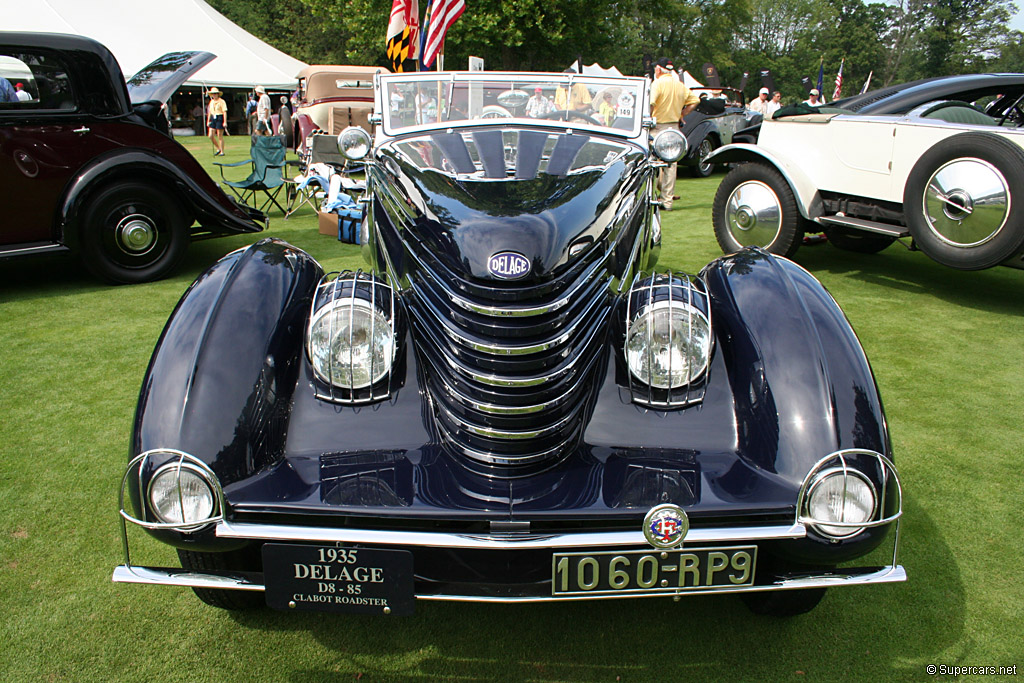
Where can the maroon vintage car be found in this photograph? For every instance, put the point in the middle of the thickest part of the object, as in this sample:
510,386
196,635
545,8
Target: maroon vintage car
87,161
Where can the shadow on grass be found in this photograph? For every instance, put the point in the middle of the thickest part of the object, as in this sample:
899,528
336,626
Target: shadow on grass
885,630
997,290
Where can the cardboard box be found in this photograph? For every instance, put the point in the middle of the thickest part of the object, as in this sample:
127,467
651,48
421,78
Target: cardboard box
328,223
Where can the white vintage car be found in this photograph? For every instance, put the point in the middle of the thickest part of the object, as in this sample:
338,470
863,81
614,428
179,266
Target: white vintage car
945,175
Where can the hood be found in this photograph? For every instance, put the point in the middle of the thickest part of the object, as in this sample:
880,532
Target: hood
545,197
158,81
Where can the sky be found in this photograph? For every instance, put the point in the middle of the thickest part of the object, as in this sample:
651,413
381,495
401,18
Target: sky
1017,22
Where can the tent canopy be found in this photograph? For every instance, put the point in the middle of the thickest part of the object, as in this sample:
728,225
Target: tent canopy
139,31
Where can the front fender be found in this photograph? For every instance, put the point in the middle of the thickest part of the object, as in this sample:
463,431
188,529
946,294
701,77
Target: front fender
219,384
808,199
204,200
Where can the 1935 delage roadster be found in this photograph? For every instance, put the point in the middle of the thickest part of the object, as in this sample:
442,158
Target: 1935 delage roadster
510,403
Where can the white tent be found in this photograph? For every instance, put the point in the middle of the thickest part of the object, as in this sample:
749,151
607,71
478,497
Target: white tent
139,31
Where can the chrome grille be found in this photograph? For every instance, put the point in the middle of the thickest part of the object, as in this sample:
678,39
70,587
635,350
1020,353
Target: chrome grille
510,373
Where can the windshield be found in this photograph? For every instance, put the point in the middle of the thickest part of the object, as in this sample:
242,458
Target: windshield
453,99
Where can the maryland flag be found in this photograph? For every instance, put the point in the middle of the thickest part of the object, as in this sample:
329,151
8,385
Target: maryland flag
403,38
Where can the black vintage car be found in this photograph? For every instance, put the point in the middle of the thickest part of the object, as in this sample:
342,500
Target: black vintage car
510,403
87,162
720,115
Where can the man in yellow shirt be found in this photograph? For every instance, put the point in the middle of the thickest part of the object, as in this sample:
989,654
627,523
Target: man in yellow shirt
671,101
579,100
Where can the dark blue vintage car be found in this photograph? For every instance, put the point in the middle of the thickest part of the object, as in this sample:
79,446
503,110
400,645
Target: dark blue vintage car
510,404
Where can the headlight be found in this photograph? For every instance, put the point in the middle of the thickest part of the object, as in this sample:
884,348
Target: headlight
670,145
354,143
351,344
668,344
180,494
840,495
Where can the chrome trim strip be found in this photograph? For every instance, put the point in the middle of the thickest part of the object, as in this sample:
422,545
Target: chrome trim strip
529,541
506,434
494,409
497,459
458,335
866,225
167,576
584,280
180,577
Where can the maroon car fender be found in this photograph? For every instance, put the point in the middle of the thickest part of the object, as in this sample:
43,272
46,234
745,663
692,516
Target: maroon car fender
202,201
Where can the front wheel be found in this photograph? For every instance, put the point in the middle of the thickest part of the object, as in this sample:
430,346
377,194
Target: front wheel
131,232
703,169
754,206
963,201
247,559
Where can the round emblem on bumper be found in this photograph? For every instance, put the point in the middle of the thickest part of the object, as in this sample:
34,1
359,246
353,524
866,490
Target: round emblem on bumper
666,525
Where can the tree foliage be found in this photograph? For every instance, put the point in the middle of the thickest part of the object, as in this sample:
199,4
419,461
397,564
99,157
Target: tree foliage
895,40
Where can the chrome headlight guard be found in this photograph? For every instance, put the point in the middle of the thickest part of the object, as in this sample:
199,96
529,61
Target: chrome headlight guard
650,302
176,461
841,464
357,311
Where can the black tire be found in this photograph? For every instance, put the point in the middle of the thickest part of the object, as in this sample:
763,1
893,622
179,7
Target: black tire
132,232
247,559
754,206
702,169
786,603
856,240
939,201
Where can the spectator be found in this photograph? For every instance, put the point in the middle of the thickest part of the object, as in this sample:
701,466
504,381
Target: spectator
760,105
218,116
23,95
774,104
263,112
578,101
607,110
7,91
250,113
538,105
814,99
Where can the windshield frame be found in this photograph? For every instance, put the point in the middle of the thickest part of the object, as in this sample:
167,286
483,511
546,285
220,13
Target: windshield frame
448,80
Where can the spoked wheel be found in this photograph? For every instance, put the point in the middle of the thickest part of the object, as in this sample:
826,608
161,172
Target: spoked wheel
754,206
856,240
247,559
132,232
963,201
703,169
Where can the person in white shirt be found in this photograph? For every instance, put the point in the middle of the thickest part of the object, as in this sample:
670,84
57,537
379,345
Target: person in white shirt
774,104
814,100
760,105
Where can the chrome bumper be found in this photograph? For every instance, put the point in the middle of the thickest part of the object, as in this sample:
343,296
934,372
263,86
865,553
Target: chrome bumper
128,573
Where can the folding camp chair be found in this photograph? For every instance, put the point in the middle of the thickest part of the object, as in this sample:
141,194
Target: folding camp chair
267,159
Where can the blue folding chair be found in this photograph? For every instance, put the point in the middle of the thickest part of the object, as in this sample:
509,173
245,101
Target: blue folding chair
267,160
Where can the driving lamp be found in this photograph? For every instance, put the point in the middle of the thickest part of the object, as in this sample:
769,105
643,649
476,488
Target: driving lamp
843,496
354,143
180,494
668,344
351,344
670,145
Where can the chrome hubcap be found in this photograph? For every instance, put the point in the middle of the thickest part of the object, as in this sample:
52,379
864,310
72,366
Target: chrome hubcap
753,214
966,202
136,235
705,150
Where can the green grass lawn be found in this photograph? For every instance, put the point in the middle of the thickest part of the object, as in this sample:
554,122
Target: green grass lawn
947,349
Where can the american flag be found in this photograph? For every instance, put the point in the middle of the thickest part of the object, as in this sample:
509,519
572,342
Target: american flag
443,14
839,82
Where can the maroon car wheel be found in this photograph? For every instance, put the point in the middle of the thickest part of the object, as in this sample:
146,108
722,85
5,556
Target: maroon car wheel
132,232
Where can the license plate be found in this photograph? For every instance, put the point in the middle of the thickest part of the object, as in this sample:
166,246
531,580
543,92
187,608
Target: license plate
332,579
646,572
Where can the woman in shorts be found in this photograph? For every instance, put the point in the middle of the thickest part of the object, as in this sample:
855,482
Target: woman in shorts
218,115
